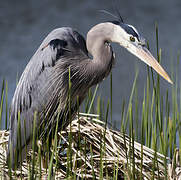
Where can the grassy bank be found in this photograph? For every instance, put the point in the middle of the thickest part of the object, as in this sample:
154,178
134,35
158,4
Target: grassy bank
90,149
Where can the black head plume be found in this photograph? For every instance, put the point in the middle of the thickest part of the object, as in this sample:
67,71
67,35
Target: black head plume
118,18
116,5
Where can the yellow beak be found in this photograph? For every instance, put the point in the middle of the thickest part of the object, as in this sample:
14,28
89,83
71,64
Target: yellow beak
144,54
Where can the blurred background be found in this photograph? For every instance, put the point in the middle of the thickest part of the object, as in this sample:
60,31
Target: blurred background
24,24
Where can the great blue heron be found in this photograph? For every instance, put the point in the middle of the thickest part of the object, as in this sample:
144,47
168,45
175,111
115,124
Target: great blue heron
44,84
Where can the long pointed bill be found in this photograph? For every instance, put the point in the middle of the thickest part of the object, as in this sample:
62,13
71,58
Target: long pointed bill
144,54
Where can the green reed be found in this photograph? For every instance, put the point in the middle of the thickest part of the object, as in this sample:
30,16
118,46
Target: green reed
155,123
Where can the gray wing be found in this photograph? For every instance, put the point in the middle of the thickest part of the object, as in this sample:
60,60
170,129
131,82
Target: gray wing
38,85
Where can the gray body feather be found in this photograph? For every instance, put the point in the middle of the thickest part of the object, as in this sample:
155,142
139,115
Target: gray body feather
43,86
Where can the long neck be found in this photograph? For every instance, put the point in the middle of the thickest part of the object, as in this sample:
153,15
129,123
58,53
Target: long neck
98,39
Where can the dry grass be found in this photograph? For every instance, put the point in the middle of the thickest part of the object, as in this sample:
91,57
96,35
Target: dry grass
99,153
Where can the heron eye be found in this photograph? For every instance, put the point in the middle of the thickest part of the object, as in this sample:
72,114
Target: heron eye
132,39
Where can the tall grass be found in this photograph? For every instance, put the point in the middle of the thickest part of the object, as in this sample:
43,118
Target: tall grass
155,124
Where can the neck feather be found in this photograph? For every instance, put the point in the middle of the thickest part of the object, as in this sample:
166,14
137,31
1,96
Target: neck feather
97,37
98,45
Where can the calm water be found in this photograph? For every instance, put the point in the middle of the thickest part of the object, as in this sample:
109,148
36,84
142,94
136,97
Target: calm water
24,24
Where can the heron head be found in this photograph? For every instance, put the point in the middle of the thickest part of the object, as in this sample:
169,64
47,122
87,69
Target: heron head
128,37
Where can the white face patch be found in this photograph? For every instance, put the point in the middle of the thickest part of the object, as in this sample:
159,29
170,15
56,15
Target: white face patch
133,34
131,31
126,35
120,36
